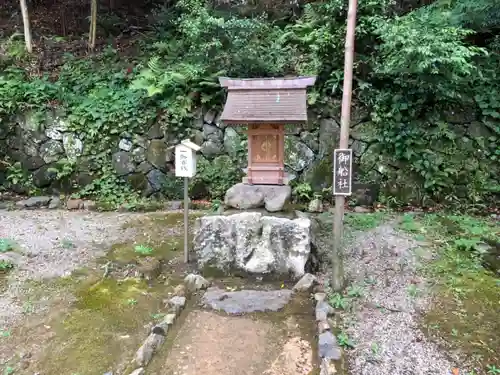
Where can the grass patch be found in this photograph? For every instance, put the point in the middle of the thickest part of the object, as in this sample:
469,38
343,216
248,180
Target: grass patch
166,249
5,266
355,221
364,221
466,307
158,235
6,245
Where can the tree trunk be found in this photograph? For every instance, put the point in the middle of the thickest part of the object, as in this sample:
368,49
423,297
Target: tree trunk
93,23
27,28
63,20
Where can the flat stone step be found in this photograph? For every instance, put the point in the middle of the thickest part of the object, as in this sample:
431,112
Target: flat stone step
246,301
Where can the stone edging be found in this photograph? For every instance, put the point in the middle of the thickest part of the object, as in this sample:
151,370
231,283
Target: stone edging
329,350
71,204
175,305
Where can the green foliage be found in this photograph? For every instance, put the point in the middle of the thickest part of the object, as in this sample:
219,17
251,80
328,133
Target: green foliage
18,177
6,245
63,169
493,370
410,71
143,250
364,221
424,67
318,43
215,205
480,15
345,341
303,192
5,265
5,333
13,49
216,176
338,301
111,191
203,46
173,188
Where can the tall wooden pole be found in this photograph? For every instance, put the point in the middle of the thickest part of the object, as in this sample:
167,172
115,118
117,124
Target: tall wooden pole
26,25
337,261
93,24
186,220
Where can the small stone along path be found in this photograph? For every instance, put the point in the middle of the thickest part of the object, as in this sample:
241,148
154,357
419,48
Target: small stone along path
71,305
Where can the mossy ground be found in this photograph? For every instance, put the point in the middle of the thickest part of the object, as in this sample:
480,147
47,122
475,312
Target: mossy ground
162,234
104,323
103,326
466,306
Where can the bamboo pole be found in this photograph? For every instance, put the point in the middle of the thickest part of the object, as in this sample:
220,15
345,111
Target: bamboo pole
93,24
337,281
26,25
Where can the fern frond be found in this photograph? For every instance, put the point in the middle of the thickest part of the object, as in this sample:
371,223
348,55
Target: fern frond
154,65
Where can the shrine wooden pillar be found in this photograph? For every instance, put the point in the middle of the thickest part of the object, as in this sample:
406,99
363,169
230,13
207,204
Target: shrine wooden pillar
266,106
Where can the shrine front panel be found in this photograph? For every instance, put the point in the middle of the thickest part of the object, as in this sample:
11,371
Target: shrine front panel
265,149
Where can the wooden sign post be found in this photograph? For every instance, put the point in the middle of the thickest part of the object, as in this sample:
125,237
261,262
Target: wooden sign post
344,187
185,166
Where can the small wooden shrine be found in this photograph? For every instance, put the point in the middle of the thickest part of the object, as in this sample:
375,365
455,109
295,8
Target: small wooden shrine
265,106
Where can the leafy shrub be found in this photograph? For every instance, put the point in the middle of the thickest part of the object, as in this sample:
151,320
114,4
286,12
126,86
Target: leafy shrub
409,71
216,176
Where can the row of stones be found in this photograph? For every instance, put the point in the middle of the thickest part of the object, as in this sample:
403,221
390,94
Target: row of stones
175,305
53,202
328,349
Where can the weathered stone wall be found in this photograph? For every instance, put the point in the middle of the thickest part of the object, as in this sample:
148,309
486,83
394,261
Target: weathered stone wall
146,159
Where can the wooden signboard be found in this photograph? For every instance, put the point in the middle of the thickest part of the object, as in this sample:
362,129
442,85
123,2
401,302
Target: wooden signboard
342,172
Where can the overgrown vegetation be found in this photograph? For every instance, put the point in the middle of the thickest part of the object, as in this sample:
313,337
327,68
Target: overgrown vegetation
465,310
412,73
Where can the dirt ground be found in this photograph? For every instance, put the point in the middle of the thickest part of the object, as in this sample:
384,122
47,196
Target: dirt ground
213,344
385,323
57,313
59,316
407,309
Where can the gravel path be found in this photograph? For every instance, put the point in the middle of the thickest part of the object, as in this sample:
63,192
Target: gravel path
52,244
384,327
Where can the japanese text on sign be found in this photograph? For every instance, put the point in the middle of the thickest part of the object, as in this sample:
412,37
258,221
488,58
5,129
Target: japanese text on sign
342,172
183,161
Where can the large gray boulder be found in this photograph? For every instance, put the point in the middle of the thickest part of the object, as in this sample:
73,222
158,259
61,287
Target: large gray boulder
253,243
272,197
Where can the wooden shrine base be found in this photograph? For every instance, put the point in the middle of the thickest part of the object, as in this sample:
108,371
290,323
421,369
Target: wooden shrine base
266,182
263,181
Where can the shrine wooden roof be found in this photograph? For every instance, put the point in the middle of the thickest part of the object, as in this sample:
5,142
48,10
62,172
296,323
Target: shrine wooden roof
266,100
